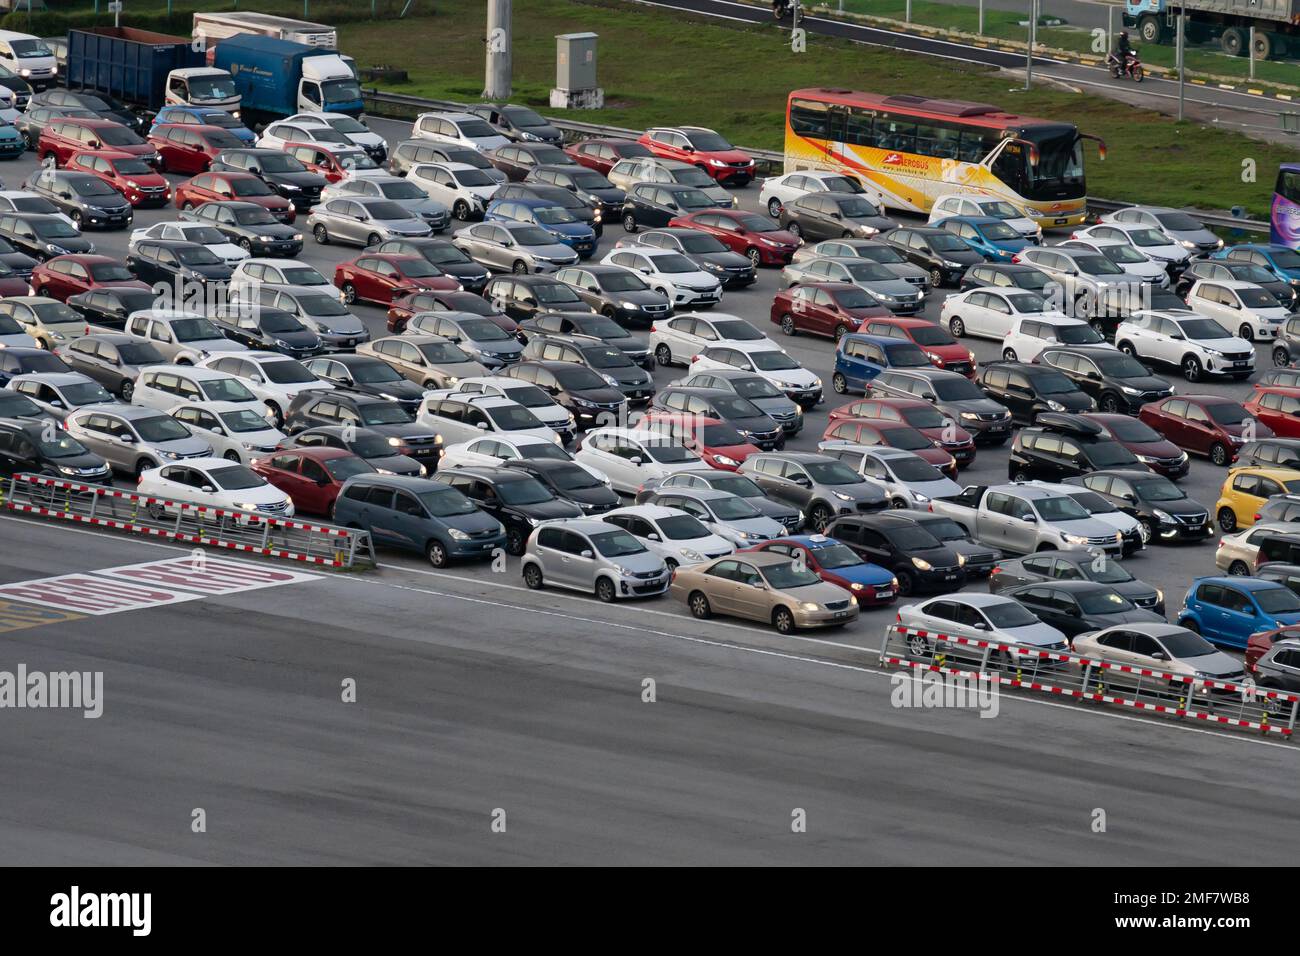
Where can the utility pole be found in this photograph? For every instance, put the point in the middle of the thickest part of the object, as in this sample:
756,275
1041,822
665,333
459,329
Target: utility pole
1033,38
497,85
1182,69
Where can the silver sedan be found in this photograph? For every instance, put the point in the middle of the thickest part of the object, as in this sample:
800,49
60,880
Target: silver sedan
897,294
404,192
519,247
364,221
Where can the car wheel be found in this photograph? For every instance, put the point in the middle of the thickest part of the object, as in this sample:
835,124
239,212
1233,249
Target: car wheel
936,278
787,324
277,416
1219,453
629,222
605,590
783,620
126,390
373,239
905,586
141,466
1239,568
460,210
1128,349
76,218
898,503
533,577
918,646
1227,520
819,517
794,230
1146,529
1009,355
1281,358
231,455
247,245
436,554
671,565
699,605
515,542
774,208
839,383
957,327
1246,332
319,231
155,511
1192,368
430,385
841,331
664,356
1191,625
519,267
188,206
755,257
1020,475
1098,327
349,293
1109,404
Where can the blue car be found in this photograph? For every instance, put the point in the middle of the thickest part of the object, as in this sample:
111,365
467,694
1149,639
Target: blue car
205,116
1227,610
860,358
556,220
991,237
1282,261
12,144
836,563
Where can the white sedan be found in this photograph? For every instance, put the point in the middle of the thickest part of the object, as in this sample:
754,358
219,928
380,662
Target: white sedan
492,450
357,133
978,617
235,432
1150,242
992,313
274,378
671,274
674,535
765,359
217,483
779,190
678,340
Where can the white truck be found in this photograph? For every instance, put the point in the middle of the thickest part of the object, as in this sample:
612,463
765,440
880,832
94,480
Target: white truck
1023,517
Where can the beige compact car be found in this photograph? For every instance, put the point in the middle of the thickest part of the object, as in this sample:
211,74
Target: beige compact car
1237,552
1166,648
763,587
428,360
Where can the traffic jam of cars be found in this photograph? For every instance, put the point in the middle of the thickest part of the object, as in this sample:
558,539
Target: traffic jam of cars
644,371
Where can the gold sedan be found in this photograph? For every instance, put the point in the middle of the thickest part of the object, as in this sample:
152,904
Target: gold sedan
763,587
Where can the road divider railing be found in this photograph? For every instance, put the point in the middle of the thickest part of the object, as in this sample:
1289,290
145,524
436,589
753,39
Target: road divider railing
250,532
1090,681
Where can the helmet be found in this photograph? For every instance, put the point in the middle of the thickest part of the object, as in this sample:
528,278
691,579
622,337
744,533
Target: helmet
1124,34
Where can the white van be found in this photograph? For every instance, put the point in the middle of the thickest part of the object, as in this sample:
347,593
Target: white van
29,57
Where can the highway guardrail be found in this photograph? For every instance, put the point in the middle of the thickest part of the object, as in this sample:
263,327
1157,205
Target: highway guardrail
770,162
250,532
1088,680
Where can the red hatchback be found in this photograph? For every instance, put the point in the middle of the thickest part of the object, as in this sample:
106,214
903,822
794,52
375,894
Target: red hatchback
1277,407
400,312
703,148
386,277
1151,448
62,137
715,441
825,308
238,187
923,416
1205,424
130,175
875,431
190,149
62,276
745,232
939,346
311,477
602,154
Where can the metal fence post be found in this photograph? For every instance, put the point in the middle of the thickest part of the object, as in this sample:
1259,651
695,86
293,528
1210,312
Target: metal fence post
1250,51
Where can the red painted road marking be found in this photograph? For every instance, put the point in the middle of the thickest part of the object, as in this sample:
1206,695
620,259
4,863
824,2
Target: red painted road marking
91,595
208,574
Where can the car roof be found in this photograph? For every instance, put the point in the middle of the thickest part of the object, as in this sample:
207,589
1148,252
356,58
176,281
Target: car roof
647,510
1240,581
803,457
409,482
975,599
485,472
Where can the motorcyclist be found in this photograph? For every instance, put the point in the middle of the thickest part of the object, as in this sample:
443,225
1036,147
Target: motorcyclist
1122,48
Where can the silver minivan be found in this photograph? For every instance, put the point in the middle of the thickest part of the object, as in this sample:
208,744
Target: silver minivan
593,556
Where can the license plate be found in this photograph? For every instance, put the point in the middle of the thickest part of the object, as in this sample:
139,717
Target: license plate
998,428
1240,364
1061,222
950,577
840,615
884,594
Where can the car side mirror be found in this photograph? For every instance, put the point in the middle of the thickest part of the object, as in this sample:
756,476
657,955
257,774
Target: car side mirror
652,536
802,481
207,489
1029,519
363,218
482,426
586,554
255,379
980,626
636,461
55,403
126,439
1073,611
254,170
93,144
1159,656
322,482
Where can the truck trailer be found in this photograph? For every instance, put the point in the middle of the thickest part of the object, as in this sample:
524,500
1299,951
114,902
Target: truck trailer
145,69
1226,22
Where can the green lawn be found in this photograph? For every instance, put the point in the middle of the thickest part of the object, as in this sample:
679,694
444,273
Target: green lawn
658,67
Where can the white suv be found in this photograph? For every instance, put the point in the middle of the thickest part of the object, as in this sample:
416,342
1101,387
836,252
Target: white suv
1032,333
765,359
462,188
1196,344
458,129
276,379
631,457
678,340
1251,310
670,273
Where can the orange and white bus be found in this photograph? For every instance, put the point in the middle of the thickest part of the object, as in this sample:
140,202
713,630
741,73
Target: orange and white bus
909,150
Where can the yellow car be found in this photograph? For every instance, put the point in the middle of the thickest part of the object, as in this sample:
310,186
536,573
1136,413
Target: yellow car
1245,489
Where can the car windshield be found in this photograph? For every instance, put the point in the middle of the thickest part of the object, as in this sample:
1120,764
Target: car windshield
1203,329
553,216
590,179
386,211
532,236
442,353
280,163
773,361
1122,255
287,372
879,253
707,141
998,231
701,244
341,91
906,355
139,353
85,393
1053,383
923,416
1063,508
160,428
1103,602
385,413
446,504
1131,429
473,178
616,544
56,313
753,223
92,186
62,445
30,203
256,216
54,229
197,329
682,528
416,268
864,270
482,330
121,136
833,473
755,388
1250,273
670,453
908,439
943,242
1110,454
27,49
735,407
574,478
1095,265
402,189
529,396
1120,366
1027,302
782,577
1009,615
1258,299
372,373
323,305
195,256
244,420
607,357
341,469
523,491
546,450
674,264
15,405
1148,237
578,378
957,389
737,485
1157,489
226,390
371,446
511,418
931,335
834,556
720,436
854,299
1226,413
1078,333
737,330
1178,221
857,208
236,478
913,469
622,282
691,176
302,275
1182,645
1278,600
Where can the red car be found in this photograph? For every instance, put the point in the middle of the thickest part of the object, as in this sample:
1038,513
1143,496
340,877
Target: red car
311,477
1151,448
237,187
11,283
1277,407
62,276
384,278
827,556
703,148
922,416
602,154
1205,424
715,441
825,308
939,346
875,431
332,162
62,137
184,148
402,309
748,233
130,175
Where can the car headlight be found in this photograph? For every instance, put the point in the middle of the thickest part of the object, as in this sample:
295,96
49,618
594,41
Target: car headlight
810,606
726,461
969,417
1160,596
1187,243
291,188
1163,516
247,506
690,555
297,237
817,383
855,586
394,441
842,497
625,571
628,305
921,564
951,265
457,534
1074,539
1129,390
66,470
1055,405
961,560
920,497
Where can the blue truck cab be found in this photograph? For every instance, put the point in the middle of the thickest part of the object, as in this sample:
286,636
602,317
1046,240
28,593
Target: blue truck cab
278,78
1227,610
860,358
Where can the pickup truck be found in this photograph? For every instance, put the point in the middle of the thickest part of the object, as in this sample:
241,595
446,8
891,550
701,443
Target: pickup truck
1023,517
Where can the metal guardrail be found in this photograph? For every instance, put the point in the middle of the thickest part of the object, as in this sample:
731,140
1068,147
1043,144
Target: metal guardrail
1088,680
770,162
249,532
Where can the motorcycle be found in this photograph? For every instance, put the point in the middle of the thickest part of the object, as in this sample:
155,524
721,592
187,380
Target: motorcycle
782,9
1130,68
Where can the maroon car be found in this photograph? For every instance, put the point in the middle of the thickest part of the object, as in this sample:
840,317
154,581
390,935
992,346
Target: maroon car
752,235
602,154
825,308
1205,424
311,477
435,301
921,415
890,434
183,148
240,187
384,278
62,276
1151,448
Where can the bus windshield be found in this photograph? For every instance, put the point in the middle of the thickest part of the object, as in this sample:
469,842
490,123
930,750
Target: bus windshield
1059,173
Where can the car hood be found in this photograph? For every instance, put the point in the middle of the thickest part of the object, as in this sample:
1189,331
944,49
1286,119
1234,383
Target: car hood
972,549
1038,635
182,446
397,464
866,573
779,405
985,406
760,524
791,378
1089,527
473,522
1118,520
866,493
601,396
777,510
1261,430
460,370
552,250
1137,615
898,288
1073,401
303,180
943,488
86,462
611,194
269,230
404,227
599,495
1154,449
1217,665
1146,383
555,508
726,260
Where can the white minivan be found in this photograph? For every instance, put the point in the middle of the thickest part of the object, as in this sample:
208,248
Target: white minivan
29,57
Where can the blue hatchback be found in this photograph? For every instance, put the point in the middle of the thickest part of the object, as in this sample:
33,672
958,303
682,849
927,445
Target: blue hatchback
1282,261
990,236
1227,610
860,358
205,116
556,220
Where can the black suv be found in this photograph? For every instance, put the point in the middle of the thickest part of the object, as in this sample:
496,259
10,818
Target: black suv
652,205
1163,512
282,172
42,235
1064,446
1119,383
249,226
560,324
609,362
442,255
35,447
922,563
587,184
591,400
1030,390
367,375
173,261
1075,566
397,424
523,297
754,424
514,497
375,447
980,558
944,256
570,481
109,307
617,293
